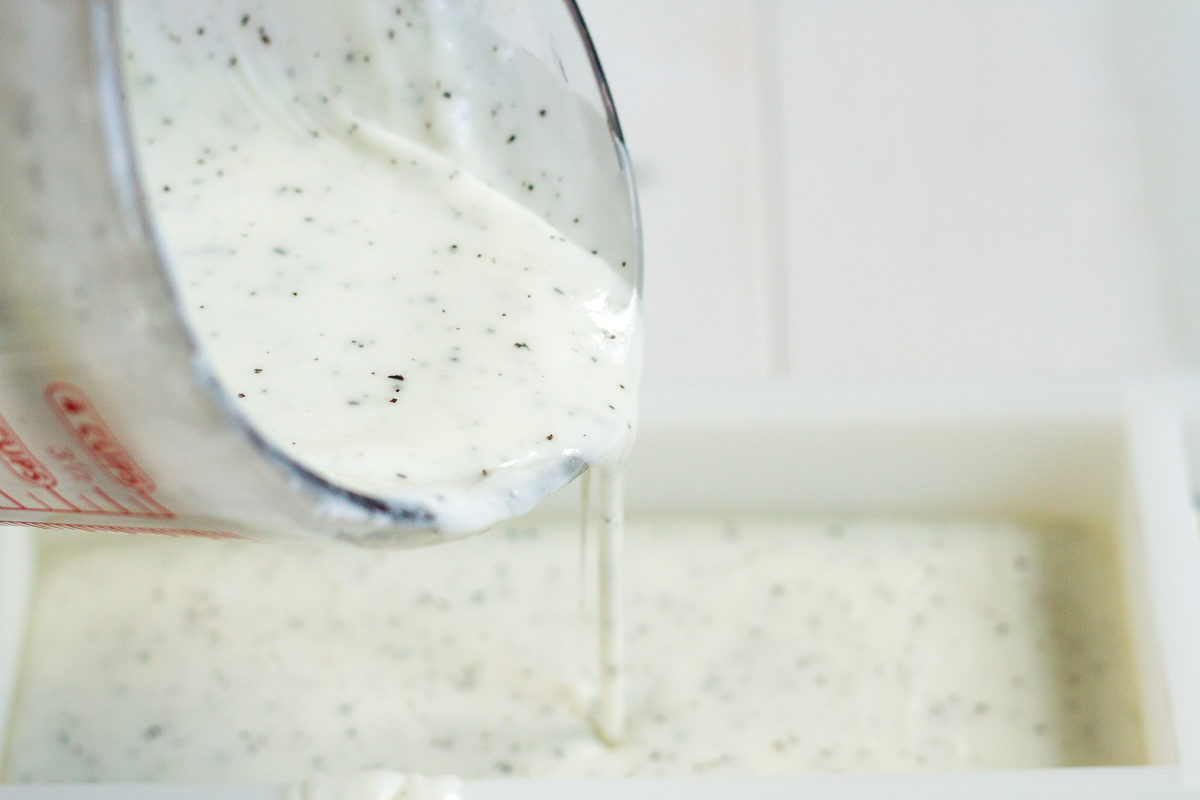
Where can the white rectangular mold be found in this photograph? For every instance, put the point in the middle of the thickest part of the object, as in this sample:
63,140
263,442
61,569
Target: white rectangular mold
1112,452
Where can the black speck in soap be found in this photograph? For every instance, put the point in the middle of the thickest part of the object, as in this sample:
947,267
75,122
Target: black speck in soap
521,344
396,377
512,139
550,437
257,371
542,112
245,20
262,35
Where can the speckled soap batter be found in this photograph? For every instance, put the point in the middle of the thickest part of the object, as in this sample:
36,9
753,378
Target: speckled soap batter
389,317
755,646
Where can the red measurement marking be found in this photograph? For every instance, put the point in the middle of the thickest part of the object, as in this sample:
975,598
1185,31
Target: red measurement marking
63,500
103,494
17,457
87,501
129,529
81,418
44,505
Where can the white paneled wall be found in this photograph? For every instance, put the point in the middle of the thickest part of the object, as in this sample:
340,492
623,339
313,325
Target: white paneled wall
910,187
687,80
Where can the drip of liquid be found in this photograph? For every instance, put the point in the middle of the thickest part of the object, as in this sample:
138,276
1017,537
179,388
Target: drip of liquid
611,715
603,554
377,784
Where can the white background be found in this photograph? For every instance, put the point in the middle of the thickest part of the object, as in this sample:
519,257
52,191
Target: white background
865,188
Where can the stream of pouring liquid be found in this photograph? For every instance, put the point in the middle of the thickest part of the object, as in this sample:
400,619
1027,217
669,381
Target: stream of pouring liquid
611,719
610,714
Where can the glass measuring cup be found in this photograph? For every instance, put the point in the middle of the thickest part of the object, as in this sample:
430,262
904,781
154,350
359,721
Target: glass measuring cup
110,417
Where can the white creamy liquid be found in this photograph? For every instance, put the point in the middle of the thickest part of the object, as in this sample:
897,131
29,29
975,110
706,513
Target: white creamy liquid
379,313
382,315
376,784
755,646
